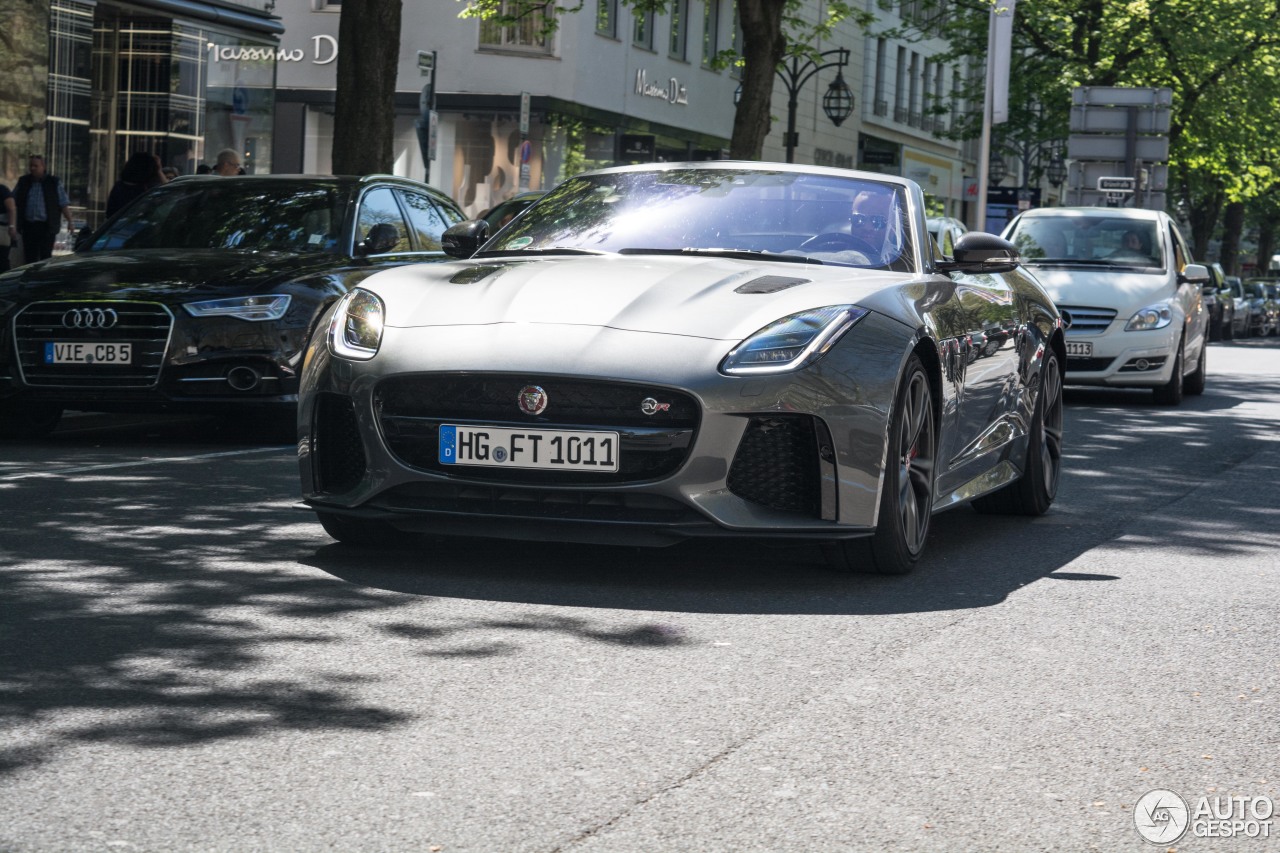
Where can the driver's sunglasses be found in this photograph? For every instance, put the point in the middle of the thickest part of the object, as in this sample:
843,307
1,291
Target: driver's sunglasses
863,220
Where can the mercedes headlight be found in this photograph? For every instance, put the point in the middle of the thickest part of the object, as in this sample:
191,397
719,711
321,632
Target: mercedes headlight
792,342
356,329
269,307
1151,317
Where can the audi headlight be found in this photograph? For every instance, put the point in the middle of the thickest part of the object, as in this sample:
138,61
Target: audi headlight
792,342
1152,317
356,329
269,307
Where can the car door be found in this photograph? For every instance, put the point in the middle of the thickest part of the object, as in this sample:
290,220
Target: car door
427,220
1190,295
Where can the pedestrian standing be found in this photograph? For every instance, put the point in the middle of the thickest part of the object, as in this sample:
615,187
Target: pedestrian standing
9,213
141,172
40,200
228,163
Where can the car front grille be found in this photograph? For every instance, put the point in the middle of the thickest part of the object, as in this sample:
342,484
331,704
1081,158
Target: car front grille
1088,321
412,408
338,453
1088,365
777,464
146,325
540,503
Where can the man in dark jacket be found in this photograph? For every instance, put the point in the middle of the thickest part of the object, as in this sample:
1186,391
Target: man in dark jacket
40,200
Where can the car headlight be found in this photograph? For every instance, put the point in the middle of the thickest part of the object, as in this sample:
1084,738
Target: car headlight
356,329
269,307
1151,317
792,342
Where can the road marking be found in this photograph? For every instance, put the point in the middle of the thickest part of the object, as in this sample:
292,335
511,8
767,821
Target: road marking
154,461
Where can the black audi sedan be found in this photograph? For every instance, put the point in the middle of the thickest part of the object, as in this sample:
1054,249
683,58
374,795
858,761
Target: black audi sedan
201,296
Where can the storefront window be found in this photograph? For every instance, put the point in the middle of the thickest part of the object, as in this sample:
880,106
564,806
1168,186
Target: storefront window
486,161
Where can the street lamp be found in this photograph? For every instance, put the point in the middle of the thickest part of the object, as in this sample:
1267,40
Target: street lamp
1057,169
997,169
837,103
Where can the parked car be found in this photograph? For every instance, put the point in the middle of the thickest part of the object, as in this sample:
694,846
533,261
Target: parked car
1242,320
945,231
1219,305
1264,309
1124,280
660,352
201,296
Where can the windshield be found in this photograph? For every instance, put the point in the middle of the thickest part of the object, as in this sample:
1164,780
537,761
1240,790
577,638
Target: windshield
1255,289
792,215
245,215
1094,239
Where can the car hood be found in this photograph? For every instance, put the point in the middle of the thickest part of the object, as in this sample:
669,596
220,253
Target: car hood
1122,290
157,273
699,297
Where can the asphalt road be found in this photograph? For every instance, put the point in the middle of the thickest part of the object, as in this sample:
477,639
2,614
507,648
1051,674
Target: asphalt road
188,663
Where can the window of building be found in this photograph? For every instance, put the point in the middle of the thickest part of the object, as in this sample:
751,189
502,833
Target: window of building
679,43
526,36
710,31
607,18
913,92
642,30
900,87
881,106
327,5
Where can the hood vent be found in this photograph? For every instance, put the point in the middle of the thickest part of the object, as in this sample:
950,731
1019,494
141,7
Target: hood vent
769,284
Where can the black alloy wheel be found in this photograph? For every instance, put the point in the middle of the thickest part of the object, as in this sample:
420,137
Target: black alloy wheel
1034,491
1170,393
906,499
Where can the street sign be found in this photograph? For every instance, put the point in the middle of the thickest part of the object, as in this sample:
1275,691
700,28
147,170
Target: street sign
1150,149
427,64
1116,185
524,113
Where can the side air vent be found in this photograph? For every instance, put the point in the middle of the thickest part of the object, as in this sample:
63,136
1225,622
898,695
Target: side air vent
769,284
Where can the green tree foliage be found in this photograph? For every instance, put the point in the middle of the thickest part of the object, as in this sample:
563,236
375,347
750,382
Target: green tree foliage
771,31
1220,59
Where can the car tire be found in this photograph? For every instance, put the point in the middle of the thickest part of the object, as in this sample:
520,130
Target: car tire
363,532
1034,491
906,500
1170,393
1194,383
27,420
1229,330
1215,329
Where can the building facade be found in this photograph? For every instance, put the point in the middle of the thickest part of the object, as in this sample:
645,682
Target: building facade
95,80
608,87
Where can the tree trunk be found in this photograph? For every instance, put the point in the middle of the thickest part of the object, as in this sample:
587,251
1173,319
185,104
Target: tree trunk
763,45
364,119
1266,245
1204,218
1232,227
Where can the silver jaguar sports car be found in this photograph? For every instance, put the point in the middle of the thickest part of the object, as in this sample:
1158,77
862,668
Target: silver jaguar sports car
654,353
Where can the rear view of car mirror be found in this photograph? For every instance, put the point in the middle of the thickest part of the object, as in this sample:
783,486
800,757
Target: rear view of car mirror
1195,274
462,240
979,252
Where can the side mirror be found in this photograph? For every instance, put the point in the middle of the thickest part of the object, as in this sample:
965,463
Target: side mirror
462,240
1194,274
979,252
382,238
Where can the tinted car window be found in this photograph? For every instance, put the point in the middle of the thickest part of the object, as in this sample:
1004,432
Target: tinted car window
427,220
378,207
208,215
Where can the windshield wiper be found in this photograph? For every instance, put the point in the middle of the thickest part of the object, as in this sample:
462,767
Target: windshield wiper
744,254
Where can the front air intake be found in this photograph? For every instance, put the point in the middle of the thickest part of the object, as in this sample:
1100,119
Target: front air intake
335,445
777,464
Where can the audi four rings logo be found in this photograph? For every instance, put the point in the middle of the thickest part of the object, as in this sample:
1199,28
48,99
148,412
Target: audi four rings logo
90,318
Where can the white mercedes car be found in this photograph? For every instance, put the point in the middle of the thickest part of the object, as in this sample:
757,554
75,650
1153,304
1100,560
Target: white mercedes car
1132,299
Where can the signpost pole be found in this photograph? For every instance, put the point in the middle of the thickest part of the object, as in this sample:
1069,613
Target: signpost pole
525,146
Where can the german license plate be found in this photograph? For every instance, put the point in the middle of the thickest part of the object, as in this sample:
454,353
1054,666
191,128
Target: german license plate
82,352
1080,349
547,449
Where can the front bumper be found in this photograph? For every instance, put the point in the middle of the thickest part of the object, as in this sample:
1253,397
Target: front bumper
845,397
1124,359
